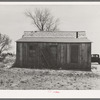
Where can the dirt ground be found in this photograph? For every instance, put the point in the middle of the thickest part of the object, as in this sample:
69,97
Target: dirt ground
35,79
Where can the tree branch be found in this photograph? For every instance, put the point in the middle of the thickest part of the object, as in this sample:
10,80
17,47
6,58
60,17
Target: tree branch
43,20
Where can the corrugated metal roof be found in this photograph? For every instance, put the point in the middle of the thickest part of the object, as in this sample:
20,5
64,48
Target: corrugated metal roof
53,39
59,36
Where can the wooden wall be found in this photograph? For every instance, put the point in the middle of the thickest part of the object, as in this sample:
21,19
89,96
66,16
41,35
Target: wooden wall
53,55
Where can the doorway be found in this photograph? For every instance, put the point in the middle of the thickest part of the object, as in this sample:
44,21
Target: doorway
74,53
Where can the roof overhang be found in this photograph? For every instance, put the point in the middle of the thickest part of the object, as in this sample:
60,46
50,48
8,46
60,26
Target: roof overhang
54,39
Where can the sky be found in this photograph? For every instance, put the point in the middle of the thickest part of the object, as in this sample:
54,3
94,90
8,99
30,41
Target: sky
13,21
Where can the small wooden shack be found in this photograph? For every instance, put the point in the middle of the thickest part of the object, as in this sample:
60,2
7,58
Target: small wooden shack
54,50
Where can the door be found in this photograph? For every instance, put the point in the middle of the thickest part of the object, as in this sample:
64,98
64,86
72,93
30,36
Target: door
74,53
49,56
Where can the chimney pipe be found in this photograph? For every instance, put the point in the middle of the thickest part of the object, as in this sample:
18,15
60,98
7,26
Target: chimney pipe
76,34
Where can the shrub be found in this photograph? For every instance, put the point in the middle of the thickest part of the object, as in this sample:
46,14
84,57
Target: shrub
2,65
9,61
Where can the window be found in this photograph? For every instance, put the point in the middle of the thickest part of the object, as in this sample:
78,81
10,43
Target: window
32,50
31,47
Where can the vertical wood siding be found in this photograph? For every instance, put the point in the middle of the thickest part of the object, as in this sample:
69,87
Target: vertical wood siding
68,53
20,54
48,54
89,56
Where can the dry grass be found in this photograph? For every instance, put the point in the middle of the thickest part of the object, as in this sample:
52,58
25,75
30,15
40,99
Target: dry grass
21,78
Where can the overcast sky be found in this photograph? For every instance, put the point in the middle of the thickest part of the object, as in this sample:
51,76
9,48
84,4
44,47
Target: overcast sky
13,21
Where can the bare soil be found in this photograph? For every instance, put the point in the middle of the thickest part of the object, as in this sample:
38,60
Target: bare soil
35,79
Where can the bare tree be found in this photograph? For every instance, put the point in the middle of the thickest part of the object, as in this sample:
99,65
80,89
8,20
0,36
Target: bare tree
43,20
5,43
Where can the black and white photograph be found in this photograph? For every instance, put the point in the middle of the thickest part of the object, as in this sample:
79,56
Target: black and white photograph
49,47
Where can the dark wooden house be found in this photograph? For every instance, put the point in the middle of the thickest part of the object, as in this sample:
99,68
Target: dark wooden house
54,50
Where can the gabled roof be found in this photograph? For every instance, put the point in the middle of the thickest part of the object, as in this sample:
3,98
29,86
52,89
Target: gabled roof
60,36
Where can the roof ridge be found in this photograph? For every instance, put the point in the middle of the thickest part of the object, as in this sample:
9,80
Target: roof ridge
54,31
